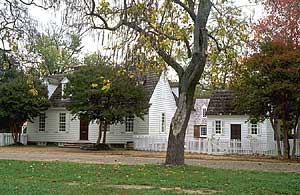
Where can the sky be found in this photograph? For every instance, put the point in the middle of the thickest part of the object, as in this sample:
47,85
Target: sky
91,44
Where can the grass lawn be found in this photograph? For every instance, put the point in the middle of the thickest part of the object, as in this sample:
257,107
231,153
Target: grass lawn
21,177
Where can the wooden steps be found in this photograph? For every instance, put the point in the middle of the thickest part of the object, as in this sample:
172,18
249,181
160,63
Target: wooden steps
72,145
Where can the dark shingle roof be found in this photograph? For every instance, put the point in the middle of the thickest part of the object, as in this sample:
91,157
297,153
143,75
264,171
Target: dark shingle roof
55,79
149,81
174,84
221,103
56,98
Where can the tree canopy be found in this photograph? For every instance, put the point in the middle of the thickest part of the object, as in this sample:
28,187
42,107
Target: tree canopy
23,97
269,87
282,22
105,93
55,52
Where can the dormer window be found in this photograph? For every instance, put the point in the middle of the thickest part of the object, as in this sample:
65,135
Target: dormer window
63,87
204,110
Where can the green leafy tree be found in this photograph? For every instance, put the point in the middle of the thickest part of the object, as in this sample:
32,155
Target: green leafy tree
268,87
103,93
22,98
56,52
229,34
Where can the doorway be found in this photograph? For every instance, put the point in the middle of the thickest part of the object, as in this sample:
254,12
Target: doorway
235,131
84,129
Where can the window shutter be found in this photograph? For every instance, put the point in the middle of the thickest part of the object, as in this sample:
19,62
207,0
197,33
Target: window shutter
196,131
213,128
258,128
222,127
249,128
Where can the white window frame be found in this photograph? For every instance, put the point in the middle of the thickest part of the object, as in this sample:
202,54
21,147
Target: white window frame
42,122
203,135
129,124
163,120
62,125
254,127
218,131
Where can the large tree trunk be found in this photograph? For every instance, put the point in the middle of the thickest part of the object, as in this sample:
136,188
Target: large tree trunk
175,151
286,145
276,127
99,134
188,79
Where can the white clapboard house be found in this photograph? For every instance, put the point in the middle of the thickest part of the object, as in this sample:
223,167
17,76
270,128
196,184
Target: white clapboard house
216,128
227,127
58,125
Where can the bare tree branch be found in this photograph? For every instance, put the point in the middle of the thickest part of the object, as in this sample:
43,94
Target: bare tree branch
187,9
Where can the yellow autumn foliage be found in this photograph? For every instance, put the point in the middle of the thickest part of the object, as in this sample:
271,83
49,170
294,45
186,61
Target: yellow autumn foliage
33,92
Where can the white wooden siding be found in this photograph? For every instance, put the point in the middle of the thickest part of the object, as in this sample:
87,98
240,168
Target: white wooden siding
162,101
265,131
51,133
116,134
196,117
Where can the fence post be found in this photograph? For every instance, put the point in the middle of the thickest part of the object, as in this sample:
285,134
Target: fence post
1,139
209,146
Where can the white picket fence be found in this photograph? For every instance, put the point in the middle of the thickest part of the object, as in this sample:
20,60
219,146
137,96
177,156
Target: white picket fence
6,139
212,146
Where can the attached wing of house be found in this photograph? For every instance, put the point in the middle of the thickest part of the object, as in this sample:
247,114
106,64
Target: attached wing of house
224,123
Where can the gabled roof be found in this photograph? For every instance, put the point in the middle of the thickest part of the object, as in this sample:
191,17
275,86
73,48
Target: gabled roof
54,79
221,103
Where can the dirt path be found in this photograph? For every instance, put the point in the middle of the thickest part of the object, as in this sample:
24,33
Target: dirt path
139,158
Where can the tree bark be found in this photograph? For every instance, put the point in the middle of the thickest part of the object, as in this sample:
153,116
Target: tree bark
175,151
188,80
13,130
296,131
100,134
104,134
276,128
286,145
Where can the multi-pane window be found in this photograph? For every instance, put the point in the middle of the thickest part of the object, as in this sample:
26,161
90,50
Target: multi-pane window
204,112
62,121
203,130
163,122
254,129
218,127
129,124
42,122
